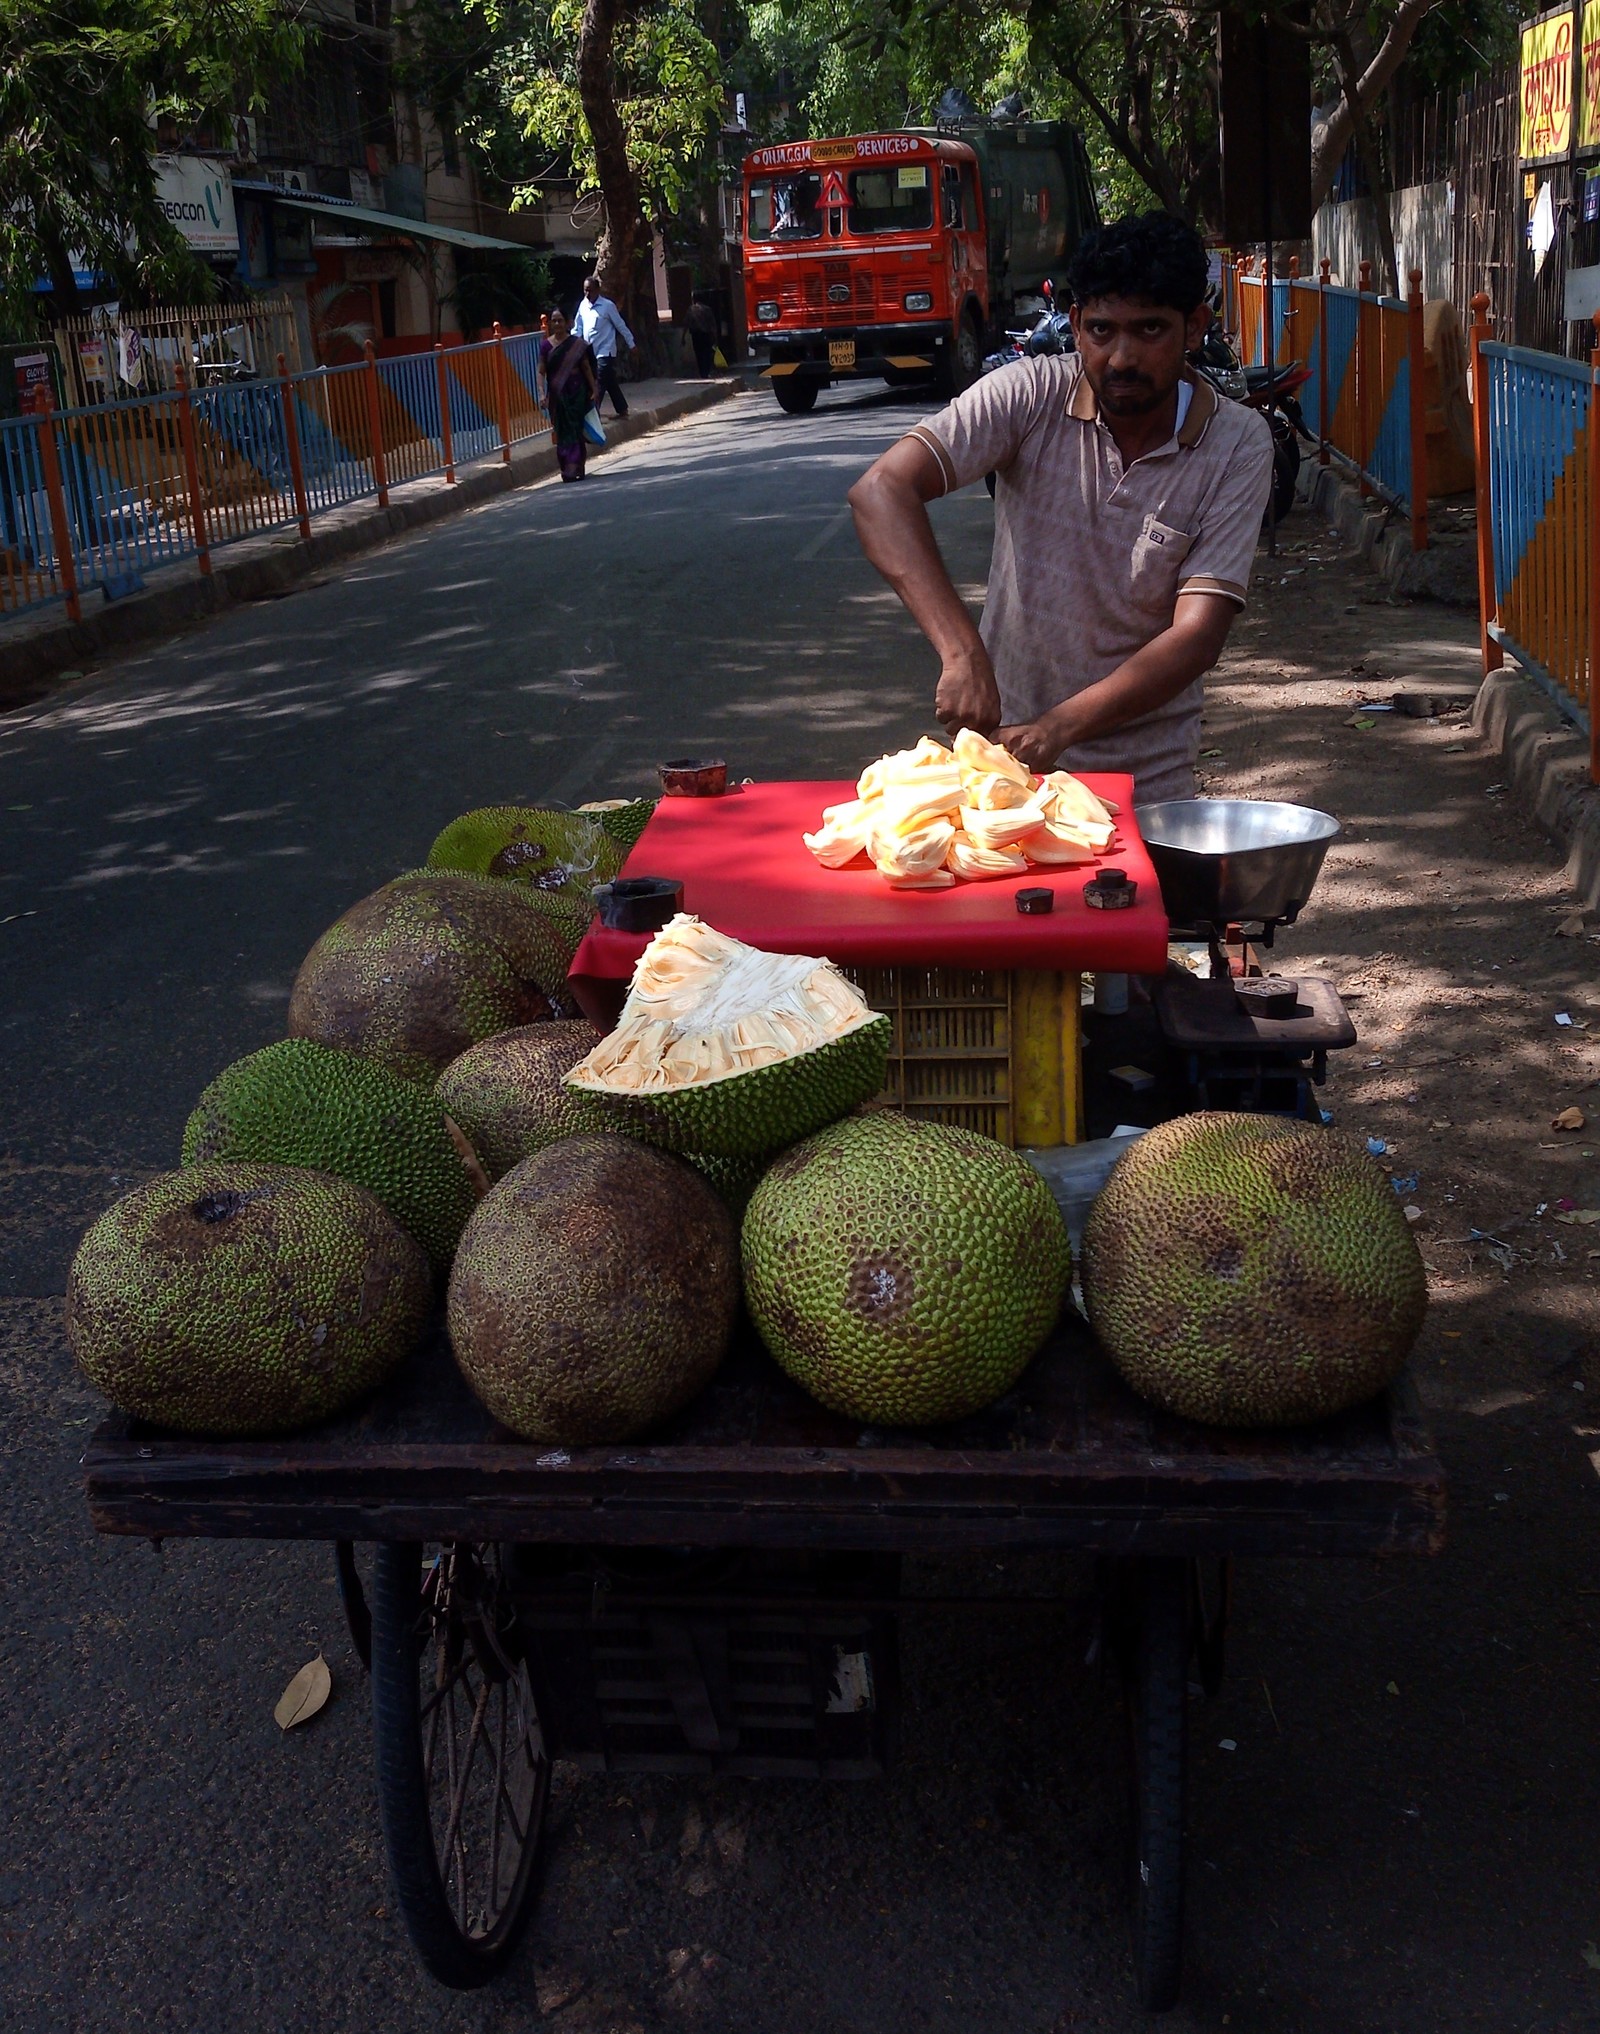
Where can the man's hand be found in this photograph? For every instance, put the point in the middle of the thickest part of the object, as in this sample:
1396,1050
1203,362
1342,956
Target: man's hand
967,694
1035,743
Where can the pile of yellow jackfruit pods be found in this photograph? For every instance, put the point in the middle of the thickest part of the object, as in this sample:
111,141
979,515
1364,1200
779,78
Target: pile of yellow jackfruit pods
929,817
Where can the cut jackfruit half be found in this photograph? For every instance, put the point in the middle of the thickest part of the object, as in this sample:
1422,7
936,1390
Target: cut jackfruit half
735,1051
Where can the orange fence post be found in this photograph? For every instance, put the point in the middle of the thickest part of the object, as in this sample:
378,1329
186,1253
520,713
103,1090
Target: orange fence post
1492,655
291,433
502,394
44,423
380,466
1594,556
446,444
191,471
1322,362
1363,366
1416,347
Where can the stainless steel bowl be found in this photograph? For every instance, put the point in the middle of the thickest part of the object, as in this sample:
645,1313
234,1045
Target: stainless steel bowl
1234,859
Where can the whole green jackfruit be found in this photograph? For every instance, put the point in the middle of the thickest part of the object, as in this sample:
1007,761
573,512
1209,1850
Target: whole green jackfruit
300,1103
244,1299
426,966
1252,1270
903,1272
506,1092
735,1051
594,1292
556,857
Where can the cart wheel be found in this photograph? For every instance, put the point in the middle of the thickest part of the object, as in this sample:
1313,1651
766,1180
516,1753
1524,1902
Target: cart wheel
1156,1713
462,1773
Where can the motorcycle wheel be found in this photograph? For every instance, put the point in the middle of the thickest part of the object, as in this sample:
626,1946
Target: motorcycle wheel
1285,472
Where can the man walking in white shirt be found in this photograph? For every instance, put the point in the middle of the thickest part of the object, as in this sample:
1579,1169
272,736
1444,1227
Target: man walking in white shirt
600,323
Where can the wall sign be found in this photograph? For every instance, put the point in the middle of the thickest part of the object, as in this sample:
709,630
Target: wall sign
1546,129
196,194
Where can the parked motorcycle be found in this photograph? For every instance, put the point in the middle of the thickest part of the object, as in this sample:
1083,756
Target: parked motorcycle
1274,391
1051,332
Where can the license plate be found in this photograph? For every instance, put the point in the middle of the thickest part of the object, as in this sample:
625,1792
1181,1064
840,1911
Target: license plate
841,353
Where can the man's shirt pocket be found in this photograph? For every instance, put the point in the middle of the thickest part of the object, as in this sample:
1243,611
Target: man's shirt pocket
1158,554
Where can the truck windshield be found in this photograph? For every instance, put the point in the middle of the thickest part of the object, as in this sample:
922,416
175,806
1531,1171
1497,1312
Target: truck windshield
786,208
891,200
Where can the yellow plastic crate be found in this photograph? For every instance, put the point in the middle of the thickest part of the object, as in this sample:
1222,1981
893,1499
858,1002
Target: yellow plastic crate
996,1051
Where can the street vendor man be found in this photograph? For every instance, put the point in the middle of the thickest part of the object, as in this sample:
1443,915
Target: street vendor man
1128,500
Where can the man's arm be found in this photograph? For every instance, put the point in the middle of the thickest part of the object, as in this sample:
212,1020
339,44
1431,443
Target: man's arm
622,331
889,503
1148,679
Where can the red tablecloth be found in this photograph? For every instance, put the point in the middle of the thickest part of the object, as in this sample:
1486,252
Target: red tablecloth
745,870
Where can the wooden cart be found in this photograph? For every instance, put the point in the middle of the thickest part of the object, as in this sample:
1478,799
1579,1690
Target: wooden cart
723,1597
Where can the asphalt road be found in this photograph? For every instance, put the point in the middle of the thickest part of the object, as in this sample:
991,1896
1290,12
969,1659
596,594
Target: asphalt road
1401,1836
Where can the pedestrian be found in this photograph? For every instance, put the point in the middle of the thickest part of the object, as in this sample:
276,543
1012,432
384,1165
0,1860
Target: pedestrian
600,323
702,323
1128,501
571,390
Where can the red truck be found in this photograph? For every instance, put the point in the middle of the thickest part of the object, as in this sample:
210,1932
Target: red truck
903,256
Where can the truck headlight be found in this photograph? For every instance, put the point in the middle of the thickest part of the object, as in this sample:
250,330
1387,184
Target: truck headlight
767,312
920,300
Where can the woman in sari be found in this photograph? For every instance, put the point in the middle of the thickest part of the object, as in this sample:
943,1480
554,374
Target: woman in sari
570,389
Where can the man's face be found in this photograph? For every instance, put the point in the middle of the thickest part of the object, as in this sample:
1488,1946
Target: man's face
1133,352
591,290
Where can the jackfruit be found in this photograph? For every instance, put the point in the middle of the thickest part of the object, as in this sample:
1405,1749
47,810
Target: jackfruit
623,818
303,1104
506,1092
244,1299
426,966
556,858
594,1292
974,863
1251,1270
736,1051
903,1272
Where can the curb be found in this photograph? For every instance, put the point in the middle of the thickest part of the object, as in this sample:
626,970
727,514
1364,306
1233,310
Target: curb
1446,572
260,566
1547,764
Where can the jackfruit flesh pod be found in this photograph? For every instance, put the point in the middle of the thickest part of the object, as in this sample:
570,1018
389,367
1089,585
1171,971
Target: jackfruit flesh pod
844,833
917,851
967,859
977,757
736,1051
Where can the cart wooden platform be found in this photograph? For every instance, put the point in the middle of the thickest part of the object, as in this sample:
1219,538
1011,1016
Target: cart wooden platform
722,1598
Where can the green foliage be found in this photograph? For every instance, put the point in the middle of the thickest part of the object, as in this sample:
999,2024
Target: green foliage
81,85
668,82
513,288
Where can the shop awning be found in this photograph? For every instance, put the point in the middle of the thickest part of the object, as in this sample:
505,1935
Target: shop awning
386,224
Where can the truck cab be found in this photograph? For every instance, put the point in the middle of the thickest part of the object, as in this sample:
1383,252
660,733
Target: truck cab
896,256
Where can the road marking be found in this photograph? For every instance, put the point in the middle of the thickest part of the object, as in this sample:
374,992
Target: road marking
824,536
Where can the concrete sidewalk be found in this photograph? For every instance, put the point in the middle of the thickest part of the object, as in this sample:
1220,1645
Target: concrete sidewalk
39,649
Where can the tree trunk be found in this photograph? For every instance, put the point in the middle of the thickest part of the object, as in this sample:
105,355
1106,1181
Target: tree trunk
619,187
1329,143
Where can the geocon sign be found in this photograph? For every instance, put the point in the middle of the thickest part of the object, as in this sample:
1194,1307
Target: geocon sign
197,196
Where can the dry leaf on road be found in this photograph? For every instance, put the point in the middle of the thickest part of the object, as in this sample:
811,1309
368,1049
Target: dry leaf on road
305,1694
1569,1119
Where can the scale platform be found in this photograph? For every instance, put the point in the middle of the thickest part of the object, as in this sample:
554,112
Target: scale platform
1211,1016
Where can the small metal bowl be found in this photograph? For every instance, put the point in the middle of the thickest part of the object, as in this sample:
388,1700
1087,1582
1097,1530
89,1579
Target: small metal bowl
693,777
638,903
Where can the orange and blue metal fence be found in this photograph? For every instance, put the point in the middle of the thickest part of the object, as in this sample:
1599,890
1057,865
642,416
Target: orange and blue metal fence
1537,420
96,497
1364,401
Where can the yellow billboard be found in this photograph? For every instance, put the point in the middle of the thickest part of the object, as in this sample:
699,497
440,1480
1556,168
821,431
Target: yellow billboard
1546,88
1589,100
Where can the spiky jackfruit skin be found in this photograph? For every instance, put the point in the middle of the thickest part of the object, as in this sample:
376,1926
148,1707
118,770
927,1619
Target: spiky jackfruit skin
735,1179
903,1272
770,1107
533,845
426,966
244,1299
303,1104
627,822
1251,1270
594,1292
506,1094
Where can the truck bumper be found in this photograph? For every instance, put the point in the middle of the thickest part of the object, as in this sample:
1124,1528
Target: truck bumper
879,349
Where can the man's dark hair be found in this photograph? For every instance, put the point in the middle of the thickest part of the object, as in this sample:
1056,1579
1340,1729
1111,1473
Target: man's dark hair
591,279
1153,259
